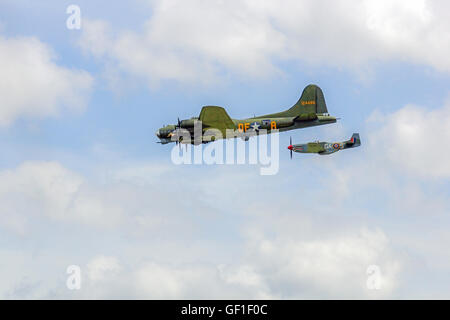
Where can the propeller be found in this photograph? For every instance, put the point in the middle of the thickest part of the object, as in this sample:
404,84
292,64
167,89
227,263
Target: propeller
290,145
178,126
178,143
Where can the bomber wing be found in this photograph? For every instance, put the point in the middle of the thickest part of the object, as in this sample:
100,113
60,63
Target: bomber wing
216,117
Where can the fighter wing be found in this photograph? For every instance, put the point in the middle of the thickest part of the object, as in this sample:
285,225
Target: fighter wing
216,117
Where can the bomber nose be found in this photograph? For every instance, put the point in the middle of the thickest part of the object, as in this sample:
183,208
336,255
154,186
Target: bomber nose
290,147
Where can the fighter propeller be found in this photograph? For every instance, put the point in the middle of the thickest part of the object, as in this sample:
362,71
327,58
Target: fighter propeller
290,145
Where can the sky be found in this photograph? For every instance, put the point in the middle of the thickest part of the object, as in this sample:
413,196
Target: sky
84,183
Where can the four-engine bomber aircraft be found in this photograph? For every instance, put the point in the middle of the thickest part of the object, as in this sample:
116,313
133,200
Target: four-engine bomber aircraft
310,110
323,148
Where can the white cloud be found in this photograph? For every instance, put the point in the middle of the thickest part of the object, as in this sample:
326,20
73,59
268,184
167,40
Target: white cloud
48,189
33,85
227,242
102,267
203,40
336,265
279,268
165,254
413,139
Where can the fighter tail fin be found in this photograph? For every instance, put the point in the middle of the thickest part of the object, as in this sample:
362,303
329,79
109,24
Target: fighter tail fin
355,140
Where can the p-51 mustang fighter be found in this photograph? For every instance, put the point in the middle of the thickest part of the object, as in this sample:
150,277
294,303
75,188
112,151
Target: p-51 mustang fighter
310,110
323,148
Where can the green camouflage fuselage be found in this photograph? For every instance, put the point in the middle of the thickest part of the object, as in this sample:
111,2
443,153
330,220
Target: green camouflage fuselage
310,110
282,123
324,148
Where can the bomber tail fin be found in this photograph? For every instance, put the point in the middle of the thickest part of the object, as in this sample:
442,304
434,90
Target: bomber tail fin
311,101
310,104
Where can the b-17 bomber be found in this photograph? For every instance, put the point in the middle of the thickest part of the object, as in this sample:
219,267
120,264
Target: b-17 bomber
214,123
324,148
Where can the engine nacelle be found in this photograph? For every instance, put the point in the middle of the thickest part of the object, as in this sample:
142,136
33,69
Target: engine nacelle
189,123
